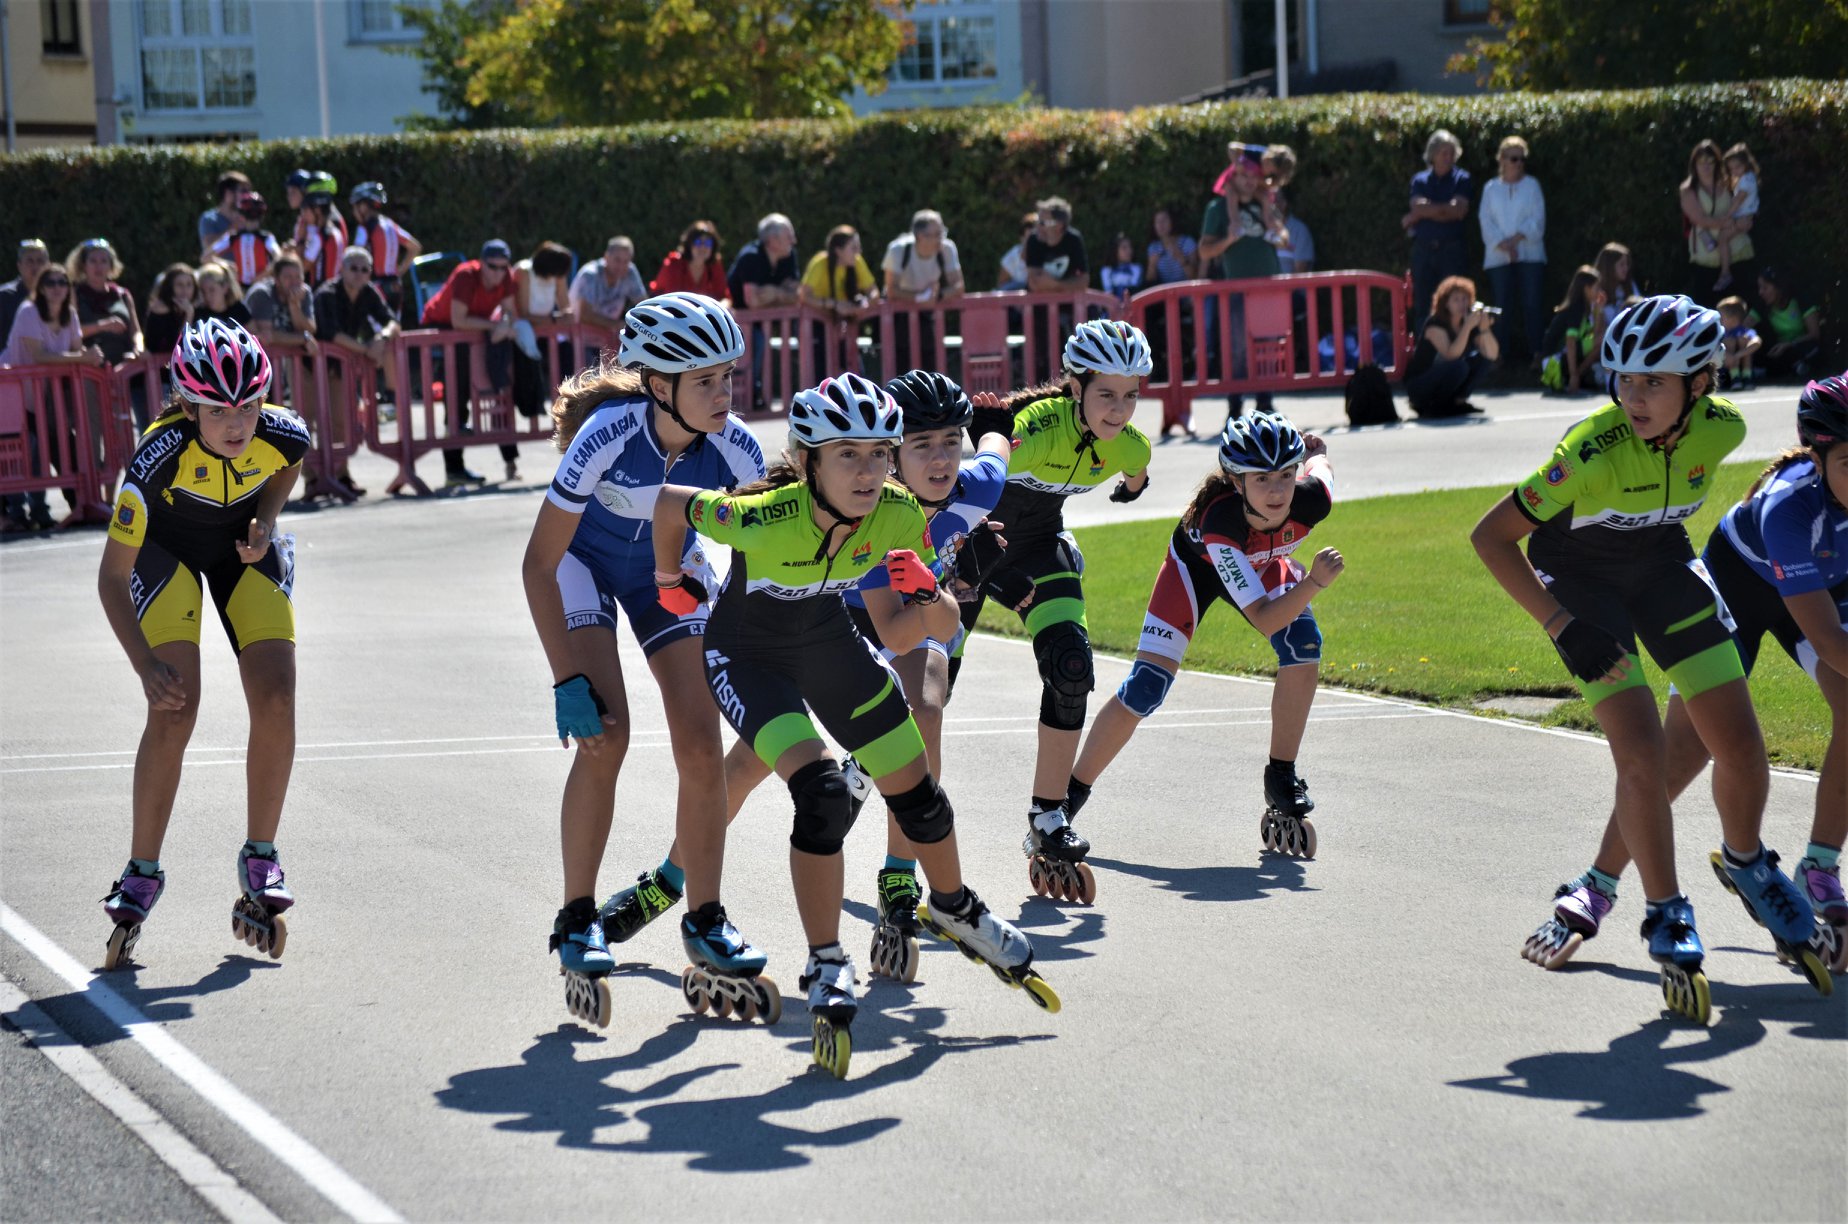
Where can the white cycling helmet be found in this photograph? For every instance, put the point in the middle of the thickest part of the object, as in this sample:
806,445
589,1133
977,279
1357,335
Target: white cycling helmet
845,407
1663,335
1104,346
676,332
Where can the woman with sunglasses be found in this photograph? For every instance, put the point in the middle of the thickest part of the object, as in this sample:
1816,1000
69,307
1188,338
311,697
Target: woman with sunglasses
1512,213
45,332
695,266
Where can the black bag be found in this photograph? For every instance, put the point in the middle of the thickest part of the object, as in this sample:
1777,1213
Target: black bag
1369,398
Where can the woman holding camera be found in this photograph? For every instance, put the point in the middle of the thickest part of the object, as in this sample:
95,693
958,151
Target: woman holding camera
1455,345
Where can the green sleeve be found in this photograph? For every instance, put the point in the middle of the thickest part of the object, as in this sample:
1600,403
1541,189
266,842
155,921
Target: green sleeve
1575,472
721,517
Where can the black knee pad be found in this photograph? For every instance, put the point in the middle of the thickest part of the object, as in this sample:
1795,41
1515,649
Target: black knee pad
923,813
824,808
1064,655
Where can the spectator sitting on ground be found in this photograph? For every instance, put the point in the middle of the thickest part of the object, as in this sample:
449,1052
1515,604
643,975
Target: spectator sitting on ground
1741,344
1297,255
923,266
216,222
541,305
1574,335
249,249
1455,345
1055,252
765,273
170,307
472,300
695,266
604,289
219,295
282,312
1512,215
45,331
33,258
1122,276
1795,338
1440,201
1014,261
389,244
839,283
324,235
1173,256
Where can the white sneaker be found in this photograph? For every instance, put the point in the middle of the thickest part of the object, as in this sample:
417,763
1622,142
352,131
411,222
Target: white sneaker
830,984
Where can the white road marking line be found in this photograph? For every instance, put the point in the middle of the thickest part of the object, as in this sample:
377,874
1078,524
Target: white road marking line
171,1148
327,1178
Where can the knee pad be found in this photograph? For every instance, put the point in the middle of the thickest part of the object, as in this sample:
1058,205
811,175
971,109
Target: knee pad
1064,655
1300,641
1146,688
824,808
923,813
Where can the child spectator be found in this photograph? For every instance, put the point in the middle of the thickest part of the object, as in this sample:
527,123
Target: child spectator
33,258
1122,276
389,244
1616,277
1014,261
323,233
1298,254
1796,330
219,295
1740,342
216,222
249,249
1573,336
1742,176
695,266
170,307
300,185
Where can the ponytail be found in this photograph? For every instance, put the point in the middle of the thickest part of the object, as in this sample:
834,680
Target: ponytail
1795,454
582,393
1217,482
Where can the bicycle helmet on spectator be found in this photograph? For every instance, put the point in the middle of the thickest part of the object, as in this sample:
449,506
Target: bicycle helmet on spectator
927,400
371,190
299,179
1261,442
252,205
321,189
847,407
217,364
1104,346
1822,413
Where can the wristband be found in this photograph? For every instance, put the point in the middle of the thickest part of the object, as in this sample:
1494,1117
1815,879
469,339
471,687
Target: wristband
665,579
1546,626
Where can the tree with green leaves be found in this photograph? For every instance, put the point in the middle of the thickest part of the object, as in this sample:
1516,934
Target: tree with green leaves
445,30
1571,44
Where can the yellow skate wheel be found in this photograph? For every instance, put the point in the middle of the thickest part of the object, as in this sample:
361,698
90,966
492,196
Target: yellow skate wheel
832,1047
1687,994
279,935
769,1001
1814,970
1041,993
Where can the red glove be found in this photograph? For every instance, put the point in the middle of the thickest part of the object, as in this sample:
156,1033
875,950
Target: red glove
683,598
910,576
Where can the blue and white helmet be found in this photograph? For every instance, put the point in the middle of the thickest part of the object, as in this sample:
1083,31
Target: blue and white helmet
844,408
1669,334
1104,346
1261,442
672,333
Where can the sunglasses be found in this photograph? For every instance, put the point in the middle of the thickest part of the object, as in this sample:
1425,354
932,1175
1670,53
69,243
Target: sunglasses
55,282
496,267
1514,157
702,240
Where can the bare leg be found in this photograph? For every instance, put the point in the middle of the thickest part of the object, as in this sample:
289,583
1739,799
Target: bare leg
268,673
1052,769
700,816
590,789
1113,727
1291,698
1728,726
1639,750
162,752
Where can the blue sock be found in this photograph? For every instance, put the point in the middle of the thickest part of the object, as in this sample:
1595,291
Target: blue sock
1823,856
894,863
261,849
1603,882
146,867
672,875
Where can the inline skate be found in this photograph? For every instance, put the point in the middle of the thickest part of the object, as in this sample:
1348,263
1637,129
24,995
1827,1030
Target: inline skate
636,906
1285,825
1675,945
725,976
1781,908
1578,909
128,905
584,961
1823,886
895,942
975,932
828,978
257,916
1055,857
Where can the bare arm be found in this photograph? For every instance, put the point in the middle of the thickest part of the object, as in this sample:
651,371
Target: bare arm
903,627
1277,609
270,501
1497,540
159,682
1690,209
1815,614
670,527
545,548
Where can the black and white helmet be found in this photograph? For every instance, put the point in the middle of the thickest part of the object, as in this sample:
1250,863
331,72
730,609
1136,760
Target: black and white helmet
1663,335
845,407
676,332
1104,346
1261,442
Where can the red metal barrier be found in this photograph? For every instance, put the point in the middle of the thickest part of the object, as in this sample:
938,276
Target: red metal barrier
1278,347
326,391
432,414
57,431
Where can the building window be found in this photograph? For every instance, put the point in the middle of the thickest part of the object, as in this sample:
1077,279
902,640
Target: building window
1469,12
58,18
951,44
383,20
197,55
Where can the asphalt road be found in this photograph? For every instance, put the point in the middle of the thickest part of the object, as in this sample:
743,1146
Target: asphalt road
1243,1036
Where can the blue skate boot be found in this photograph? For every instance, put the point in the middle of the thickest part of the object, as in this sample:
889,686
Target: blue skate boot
128,905
256,916
636,906
1675,945
828,977
1781,908
584,960
1055,855
726,975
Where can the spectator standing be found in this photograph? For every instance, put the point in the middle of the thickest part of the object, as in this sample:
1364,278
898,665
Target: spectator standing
839,283
1795,331
1054,253
474,299
249,249
389,244
1512,214
1706,203
1455,346
32,258
299,191
695,266
45,331
324,234
541,305
1233,242
170,307
1173,256
1014,260
219,295
216,222
1122,276
921,266
1440,203
765,276
604,289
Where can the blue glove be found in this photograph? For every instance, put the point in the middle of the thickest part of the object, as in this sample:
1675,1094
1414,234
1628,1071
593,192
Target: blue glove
579,710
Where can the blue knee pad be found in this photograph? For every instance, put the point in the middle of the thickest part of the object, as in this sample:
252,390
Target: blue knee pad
1300,641
1145,689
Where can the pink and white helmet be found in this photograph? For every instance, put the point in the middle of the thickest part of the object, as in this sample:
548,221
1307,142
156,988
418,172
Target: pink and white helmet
219,364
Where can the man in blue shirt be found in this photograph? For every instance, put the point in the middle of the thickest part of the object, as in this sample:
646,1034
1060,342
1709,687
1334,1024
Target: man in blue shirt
1440,202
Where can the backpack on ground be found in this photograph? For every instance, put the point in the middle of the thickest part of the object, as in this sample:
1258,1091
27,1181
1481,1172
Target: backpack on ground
1369,397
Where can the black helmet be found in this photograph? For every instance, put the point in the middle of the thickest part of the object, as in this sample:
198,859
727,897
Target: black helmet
299,179
1822,413
930,401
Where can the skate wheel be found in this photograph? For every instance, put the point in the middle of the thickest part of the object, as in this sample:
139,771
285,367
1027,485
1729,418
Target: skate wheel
121,940
1007,979
1687,994
907,966
1085,890
1306,838
1041,993
832,1047
769,1001
1835,944
237,926
1815,971
603,1003
279,935
745,1008
1036,875
1267,830
693,990
721,1004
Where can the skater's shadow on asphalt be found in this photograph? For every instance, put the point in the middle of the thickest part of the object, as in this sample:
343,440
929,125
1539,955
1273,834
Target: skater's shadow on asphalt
553,1090
165,1003
1274,873
1637,1078
1038,916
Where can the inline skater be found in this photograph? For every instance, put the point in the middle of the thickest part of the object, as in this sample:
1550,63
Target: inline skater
1609,562
780,644
625,432
197,511
1069,438
1234,542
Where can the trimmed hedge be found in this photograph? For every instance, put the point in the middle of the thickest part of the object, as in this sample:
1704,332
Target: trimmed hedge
1610,164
